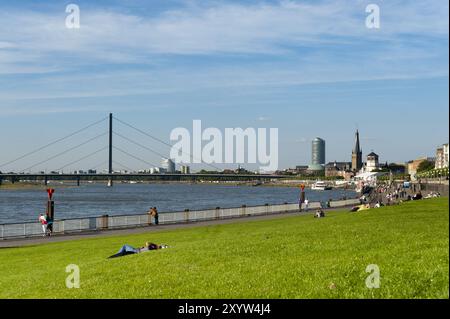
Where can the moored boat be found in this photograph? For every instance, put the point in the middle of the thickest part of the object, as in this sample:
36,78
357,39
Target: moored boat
320,186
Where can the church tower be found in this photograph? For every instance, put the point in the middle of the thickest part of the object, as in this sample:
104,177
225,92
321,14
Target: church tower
356,155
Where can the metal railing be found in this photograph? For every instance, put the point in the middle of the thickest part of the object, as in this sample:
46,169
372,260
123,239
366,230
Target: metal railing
105,222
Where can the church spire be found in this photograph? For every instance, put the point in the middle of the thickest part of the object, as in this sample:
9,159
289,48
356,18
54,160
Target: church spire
357,148
356,154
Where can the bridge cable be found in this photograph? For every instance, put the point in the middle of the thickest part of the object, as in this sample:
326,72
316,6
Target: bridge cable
135,157
83,158
124,166
99,165
140,145
161,141
54,142
66,151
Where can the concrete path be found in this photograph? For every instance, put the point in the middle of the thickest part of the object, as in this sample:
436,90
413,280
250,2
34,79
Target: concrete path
20,242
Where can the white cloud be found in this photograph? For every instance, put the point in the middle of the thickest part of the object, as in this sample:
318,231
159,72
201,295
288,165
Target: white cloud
335,47
222,28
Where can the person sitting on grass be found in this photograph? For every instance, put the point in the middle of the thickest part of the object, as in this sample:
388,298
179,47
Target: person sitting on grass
129,250
417,196
319,214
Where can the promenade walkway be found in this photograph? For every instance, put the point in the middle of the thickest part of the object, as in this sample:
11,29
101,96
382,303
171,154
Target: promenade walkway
21,242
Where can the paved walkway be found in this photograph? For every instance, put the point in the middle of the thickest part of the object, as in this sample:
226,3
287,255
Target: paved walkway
19,242
31,241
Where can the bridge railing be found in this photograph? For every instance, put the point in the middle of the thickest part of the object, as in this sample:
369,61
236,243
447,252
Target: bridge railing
98,223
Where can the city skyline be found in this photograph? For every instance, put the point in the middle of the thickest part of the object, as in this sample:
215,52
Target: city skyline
291,65
180,167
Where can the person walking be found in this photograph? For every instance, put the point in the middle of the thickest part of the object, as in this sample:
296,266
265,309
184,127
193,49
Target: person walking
43,222
300,203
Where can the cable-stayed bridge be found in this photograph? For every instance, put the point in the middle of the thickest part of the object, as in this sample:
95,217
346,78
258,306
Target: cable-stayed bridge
109,149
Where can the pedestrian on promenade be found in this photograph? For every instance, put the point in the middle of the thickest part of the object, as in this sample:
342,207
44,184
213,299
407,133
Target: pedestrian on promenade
155,215
150,215
306,204
43,222
49,224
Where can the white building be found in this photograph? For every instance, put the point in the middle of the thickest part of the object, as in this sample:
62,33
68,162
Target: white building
442,157
168,165
157,170
372,162
368,178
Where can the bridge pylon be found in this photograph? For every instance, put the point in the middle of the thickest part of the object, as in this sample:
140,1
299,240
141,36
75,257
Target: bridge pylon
110,168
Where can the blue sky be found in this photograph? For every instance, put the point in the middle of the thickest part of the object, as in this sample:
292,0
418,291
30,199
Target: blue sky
309,68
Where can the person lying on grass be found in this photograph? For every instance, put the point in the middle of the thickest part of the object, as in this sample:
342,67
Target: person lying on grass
360,208
128,250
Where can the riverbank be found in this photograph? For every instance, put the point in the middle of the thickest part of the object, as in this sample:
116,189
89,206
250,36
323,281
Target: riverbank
6,185
294,256
32,186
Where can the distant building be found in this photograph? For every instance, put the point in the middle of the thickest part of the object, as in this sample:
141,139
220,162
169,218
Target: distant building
442,157
168,165
372,163
397,168
342,169
185,169
157,170
317,155
414,165
357,154
301,169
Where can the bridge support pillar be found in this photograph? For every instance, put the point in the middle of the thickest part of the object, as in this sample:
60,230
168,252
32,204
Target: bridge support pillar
78,181
45,180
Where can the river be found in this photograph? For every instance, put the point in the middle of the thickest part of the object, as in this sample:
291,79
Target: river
96,199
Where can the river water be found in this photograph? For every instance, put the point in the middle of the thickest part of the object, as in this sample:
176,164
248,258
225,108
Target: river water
123,199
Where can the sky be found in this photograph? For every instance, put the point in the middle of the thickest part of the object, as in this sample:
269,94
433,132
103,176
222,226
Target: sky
308,68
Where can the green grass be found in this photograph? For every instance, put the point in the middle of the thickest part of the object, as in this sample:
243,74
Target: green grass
292,257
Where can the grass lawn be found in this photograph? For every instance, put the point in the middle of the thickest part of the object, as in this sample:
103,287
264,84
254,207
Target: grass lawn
292,257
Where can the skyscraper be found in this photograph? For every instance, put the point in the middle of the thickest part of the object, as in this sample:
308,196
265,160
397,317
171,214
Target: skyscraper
318,154
356,154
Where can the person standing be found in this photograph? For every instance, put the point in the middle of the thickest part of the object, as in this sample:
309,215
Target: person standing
150,215
43,222
301,200
155,215
49,220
